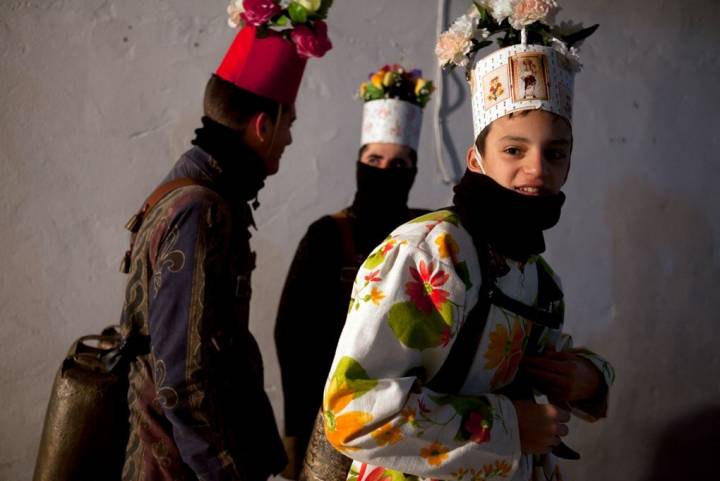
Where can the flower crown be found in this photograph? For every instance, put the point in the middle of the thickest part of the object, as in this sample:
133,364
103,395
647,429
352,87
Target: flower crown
519,21
394,82
299,21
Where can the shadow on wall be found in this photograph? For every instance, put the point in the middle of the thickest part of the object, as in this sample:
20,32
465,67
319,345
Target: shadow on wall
663,340
455,96
687,448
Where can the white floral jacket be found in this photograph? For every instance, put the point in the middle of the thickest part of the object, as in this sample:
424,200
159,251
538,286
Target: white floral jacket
411,297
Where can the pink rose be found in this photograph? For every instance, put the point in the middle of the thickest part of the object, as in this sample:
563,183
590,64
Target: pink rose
311,42
259,12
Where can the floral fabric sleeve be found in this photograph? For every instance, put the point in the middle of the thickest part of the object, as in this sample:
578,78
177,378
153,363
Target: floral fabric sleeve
596,407
408,304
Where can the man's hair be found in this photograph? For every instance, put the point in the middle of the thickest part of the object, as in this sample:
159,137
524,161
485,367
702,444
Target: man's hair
232,106
413,154
482,136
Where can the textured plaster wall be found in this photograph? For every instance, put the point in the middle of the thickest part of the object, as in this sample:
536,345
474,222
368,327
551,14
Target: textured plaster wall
98,98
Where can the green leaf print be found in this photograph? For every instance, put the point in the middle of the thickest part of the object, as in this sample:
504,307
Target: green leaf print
378,256
354,376
438,216
420,330
476,416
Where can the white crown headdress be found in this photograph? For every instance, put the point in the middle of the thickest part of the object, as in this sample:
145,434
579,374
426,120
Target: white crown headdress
534,69
394,99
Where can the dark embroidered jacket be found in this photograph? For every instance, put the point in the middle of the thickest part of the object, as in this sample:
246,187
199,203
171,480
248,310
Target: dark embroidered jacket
198,409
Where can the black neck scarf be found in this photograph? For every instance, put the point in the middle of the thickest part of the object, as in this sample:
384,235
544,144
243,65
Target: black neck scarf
381,199
243,171
512,223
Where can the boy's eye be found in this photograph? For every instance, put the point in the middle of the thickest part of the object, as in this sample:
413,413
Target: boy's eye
512,151
556,154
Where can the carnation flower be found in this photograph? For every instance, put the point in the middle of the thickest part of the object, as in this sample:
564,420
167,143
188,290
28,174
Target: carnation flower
526,12
499,9
464,25
452,47
311,42
259,12
234,10
571,55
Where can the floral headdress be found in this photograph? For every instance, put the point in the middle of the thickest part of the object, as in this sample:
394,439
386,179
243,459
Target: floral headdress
394,82
514,22
299,21
394,98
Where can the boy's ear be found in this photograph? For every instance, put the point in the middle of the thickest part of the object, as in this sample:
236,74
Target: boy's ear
473,163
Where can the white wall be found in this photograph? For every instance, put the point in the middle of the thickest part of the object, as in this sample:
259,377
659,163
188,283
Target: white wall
98,98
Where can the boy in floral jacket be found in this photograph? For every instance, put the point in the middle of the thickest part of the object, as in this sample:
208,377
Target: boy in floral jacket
476,262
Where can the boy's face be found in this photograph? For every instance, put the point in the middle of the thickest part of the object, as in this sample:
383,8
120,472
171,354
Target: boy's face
528,153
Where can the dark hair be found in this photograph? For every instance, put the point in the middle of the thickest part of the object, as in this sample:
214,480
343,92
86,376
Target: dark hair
232,106
413,154
482,136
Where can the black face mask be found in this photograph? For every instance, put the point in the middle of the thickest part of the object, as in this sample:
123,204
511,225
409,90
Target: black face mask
511,222
382,192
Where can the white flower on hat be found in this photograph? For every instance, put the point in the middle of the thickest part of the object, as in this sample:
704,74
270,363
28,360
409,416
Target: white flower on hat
452,47
465,25
499,9
234,10
571,55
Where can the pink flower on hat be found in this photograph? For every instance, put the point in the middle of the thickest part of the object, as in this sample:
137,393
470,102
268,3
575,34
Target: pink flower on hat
259,12
526,12
311,42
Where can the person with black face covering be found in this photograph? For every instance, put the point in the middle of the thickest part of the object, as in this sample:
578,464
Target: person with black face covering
332,250
453,362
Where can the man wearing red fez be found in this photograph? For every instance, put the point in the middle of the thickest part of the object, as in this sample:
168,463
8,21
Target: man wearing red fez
198,409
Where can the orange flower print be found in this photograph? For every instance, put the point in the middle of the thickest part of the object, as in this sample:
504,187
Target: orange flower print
505,353
500,468
341,429
447,247
376,295
435,454
388,247
387,434
408,415
424,291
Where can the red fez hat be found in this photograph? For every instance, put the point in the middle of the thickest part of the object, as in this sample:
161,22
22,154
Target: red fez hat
269,67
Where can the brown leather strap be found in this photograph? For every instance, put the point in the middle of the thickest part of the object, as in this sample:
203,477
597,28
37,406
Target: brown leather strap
164,189
133,225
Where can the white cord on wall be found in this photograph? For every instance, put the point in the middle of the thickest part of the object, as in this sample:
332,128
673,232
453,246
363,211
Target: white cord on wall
439,100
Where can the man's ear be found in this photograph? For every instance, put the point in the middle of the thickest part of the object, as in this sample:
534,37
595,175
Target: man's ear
259,127
473,163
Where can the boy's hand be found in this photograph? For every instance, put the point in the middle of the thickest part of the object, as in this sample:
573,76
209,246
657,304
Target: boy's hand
541,426
563,376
